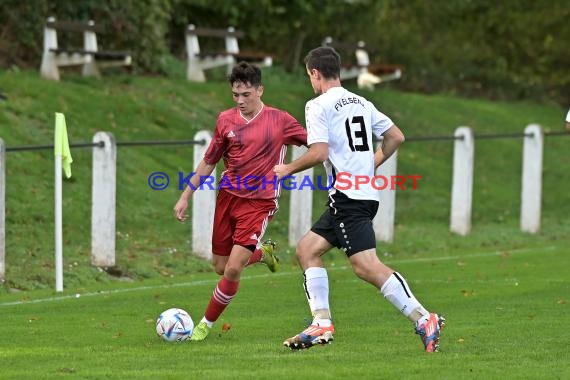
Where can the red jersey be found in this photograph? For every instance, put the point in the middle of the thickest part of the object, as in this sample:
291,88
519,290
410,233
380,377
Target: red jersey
251,149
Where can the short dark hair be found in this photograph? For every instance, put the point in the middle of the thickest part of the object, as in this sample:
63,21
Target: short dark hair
245,73
326,60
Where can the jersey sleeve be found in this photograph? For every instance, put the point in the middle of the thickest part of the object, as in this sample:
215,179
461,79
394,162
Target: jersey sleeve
217,146
294,133
380,122
315,119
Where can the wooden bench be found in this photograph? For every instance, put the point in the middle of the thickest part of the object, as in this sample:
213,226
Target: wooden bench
89,56
367,75
198,60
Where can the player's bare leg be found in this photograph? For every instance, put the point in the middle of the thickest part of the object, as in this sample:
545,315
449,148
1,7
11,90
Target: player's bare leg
309,252
395,289
224,292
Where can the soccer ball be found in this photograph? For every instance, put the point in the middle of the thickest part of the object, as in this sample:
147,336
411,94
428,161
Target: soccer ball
174,325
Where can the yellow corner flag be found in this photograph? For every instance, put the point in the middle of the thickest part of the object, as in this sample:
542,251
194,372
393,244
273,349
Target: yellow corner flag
61,145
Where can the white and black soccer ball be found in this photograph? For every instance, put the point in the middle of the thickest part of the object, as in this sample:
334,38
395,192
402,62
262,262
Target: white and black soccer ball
174,325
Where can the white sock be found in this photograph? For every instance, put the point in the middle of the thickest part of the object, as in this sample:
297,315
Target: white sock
208,323
423,319
397,291
323,322
316,286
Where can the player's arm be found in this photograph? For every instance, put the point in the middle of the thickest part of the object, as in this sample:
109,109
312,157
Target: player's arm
393,138
294,132
378,156
318,150
316,154
203,170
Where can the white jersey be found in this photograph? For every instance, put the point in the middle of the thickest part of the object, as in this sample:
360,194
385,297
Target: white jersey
568,117
346,122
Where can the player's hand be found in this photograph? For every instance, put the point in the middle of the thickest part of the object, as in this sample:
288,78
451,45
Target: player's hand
280,171
378,158
180,210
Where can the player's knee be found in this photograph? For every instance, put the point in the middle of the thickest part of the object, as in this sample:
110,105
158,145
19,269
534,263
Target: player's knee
299,252
232,272
361,271
364,271
219,266
303,254
308,256
219,269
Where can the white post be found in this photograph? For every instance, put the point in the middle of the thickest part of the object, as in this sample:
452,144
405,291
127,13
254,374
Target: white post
58,225
90,44
194,70
531,193
103,200
362,58
301,201
203,205
2,211
232,47
462,186
232,42
48,69
386,215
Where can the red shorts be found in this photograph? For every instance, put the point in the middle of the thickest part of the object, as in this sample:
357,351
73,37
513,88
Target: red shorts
240,221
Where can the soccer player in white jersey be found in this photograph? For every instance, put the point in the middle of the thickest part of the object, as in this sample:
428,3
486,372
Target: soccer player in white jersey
568,121
340,125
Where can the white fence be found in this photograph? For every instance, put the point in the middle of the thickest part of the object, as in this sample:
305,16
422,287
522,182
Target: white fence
2,210
462,185
103,232
103,200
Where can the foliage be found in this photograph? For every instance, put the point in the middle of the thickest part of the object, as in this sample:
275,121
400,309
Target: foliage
135,25
285,28
512,50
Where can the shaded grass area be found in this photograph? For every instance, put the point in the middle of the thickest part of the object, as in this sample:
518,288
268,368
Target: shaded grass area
152,245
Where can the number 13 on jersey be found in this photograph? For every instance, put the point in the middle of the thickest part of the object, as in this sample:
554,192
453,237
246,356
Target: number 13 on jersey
356,132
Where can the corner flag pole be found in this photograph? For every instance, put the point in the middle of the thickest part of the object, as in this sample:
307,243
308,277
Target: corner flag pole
63,162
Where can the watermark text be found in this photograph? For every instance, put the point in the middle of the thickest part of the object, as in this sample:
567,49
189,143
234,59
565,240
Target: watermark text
342,181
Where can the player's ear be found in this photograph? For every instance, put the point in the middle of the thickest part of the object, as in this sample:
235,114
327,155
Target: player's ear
316,74
260,89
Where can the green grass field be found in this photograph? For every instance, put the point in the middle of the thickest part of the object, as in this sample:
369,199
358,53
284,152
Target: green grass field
151,244
505,312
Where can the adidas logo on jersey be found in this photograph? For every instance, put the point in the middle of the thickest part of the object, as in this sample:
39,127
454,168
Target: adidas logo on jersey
231,134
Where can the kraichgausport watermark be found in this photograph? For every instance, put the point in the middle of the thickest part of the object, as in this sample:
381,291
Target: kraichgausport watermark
342,181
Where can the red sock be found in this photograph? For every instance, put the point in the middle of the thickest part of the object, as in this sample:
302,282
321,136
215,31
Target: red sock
255,257
222,296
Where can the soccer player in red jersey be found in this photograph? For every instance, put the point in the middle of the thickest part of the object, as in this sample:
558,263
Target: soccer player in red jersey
251,138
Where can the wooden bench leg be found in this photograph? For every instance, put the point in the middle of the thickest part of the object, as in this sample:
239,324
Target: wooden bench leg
194,71
230,65
90,69
49,69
